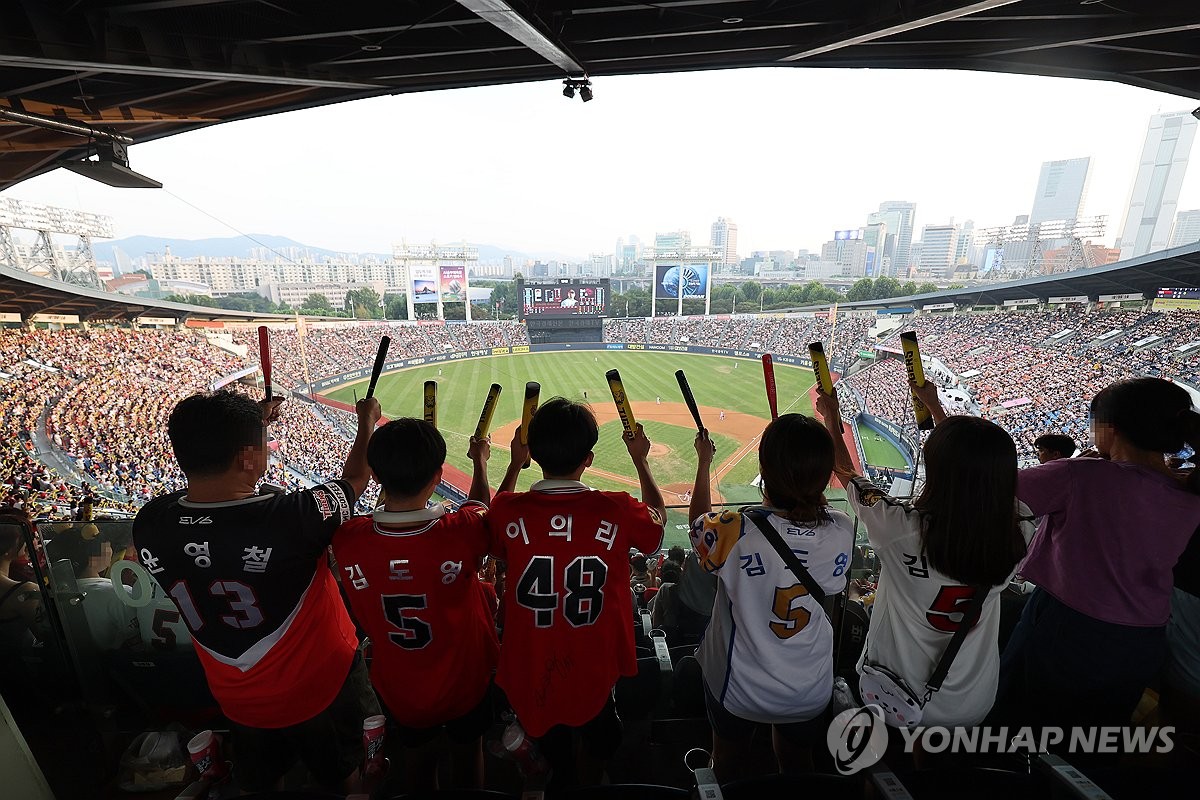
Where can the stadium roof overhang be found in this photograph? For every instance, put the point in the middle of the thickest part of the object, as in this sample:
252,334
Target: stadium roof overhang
25,294
1145,275
145,69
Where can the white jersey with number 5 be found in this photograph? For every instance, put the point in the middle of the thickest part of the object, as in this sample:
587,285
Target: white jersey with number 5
917,610
768,653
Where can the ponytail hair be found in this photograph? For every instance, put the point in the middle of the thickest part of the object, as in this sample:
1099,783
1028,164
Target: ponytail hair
795,460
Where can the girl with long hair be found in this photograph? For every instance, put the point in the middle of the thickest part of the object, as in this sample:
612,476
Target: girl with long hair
767,656
965,533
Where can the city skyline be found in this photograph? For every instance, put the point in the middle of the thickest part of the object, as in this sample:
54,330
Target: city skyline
358,177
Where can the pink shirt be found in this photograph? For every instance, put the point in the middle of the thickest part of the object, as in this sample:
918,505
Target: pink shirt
1110,536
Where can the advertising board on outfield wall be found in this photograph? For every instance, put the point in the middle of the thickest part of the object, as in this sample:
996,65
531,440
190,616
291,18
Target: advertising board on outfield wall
334,381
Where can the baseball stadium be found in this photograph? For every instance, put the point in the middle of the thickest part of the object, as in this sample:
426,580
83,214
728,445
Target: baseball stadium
942,544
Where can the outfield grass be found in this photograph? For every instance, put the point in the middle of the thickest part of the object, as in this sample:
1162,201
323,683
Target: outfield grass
733,385
880,453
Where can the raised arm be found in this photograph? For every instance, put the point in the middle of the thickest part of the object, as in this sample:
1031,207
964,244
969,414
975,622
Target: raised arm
928,394
479,451
701,502
830,411
518,457
357,472
639,450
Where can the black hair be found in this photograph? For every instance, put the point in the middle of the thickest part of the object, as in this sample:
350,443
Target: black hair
12,524
208,430
970,531
1153,414
561,434
71,545
795,460
1057,443
405,454
639,563
670,573
675,554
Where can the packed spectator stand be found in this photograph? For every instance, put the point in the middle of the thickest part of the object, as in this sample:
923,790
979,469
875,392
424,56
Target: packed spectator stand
100,398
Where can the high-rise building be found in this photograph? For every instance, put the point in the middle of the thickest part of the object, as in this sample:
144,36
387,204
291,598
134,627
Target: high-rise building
1061,190
939,250
1155,194
891,219
724,239
875,238
966,238
672,241
1187,228
903,231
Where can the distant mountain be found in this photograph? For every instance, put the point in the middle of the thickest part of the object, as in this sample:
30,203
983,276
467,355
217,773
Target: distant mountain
240,247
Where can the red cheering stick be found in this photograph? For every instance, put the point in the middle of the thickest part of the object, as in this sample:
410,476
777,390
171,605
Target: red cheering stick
264,357
769,377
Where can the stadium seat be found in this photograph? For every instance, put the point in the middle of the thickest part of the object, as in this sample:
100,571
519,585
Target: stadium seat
687,688
682,651
454,794
947,783
637,696
789,787
629,791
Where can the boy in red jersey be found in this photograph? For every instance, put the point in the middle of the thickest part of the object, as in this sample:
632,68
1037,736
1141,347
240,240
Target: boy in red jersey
568,627
249,573
411,575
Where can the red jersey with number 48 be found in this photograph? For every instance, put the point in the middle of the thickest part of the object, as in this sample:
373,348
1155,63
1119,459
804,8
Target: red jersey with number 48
412,580
568,624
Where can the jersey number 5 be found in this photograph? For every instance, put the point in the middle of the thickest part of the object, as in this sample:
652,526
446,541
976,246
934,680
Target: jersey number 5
584,580
794,618
414,633
947,609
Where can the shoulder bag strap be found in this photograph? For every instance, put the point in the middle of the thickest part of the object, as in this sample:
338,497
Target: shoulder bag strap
943,668
789,558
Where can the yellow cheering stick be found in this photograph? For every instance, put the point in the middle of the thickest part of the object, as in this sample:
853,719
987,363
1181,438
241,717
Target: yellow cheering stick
820,364
916,374
489,410
624,410
533,391
431,402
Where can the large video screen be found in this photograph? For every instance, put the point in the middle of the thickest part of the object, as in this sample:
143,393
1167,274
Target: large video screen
689,279
1184,297
565,300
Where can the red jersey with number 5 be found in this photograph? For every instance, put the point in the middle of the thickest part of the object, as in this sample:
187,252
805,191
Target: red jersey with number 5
412,579
251,579
568,624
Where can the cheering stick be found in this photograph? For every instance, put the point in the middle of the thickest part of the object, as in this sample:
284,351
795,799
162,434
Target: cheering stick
688,398
431,402
264,358
624,410
489,409
769,377
380,357
916,374
816,354
533,391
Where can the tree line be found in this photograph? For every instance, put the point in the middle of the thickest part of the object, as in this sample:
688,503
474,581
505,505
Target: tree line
746,298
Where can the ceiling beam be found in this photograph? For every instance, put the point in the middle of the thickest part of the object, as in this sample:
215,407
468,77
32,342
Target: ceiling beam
1113,37
505,17
31,62
357,32
870,34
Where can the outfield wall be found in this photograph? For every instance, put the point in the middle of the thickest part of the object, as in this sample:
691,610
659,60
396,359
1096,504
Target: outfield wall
334,381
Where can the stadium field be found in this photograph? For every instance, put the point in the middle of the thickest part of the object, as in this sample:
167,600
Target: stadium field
734,386
880,452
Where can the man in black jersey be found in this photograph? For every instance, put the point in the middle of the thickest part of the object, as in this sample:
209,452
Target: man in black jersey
249,574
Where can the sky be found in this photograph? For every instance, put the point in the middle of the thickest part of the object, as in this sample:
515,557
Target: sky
789,154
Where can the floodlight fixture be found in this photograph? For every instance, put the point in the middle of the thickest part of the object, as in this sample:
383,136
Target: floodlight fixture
111,166
583,85
1196,113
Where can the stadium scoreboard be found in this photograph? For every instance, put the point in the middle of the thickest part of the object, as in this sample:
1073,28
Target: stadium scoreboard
1177,297
567,297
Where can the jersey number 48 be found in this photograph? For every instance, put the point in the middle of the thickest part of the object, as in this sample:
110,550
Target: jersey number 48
583,580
